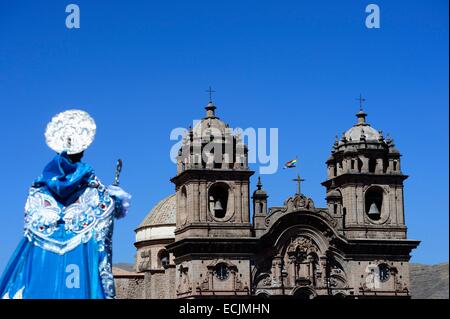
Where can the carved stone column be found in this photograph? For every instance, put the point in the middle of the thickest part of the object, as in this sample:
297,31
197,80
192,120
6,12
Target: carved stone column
323,270
211,279
245,205
277,275
234,274
196,202
293,272
238,202
203,201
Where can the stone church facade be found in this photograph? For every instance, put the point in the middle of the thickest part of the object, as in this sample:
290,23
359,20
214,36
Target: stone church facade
201,242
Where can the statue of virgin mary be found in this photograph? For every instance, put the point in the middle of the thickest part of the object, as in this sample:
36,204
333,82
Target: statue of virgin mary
66,249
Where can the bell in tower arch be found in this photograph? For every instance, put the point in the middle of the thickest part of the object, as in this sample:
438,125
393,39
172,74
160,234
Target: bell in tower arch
218,199
218,206
374,202
373,211
219,211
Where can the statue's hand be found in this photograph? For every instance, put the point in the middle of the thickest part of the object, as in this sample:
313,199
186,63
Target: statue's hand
122,200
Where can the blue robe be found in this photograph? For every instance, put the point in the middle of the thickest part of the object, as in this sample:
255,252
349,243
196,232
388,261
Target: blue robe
66,250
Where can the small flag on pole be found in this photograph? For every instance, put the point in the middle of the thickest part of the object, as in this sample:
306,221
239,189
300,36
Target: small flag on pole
290,164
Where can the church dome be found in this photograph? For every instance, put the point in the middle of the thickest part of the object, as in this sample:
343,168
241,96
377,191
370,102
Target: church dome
160,222
362,130
334,194
358,131
212,144
162,214
211,122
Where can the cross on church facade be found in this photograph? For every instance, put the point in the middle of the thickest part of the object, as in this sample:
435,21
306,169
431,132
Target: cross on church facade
210,91
299,182
361,101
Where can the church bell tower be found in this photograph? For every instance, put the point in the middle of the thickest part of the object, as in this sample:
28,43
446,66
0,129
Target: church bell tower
365,184
212,195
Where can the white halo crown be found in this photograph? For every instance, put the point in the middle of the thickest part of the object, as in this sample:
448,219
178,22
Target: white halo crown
71,131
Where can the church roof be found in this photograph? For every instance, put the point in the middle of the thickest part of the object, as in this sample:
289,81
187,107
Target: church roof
332,194
355,133
164,213
362,130
210,123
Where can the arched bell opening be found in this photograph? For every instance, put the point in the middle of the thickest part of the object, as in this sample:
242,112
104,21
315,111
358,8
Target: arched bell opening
218,200
374,203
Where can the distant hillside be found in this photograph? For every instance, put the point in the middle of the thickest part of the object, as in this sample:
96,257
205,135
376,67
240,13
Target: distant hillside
124,266
427,281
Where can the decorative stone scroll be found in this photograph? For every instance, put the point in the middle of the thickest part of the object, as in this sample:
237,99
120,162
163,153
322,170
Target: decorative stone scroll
299,202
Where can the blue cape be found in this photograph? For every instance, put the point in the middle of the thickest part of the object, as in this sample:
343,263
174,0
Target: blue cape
64,179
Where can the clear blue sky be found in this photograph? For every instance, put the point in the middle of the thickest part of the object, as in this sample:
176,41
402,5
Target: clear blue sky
141,69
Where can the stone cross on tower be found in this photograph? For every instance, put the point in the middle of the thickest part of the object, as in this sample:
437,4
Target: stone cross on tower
210,91
299,182
361,101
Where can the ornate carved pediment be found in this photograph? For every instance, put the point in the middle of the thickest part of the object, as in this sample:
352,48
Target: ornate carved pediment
302,262
292,204
228,271
214,263
298,202
301,245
